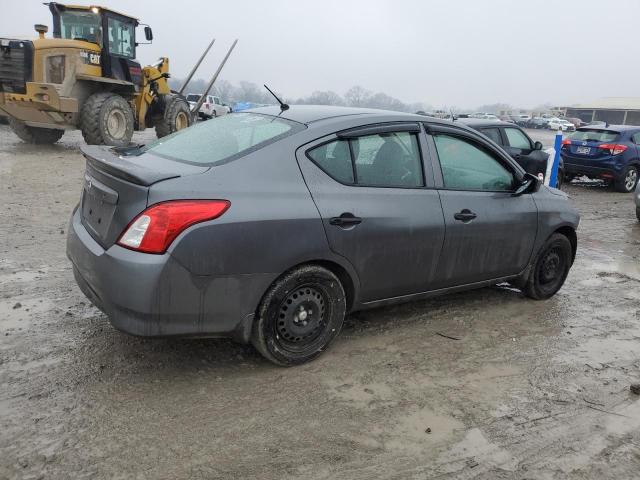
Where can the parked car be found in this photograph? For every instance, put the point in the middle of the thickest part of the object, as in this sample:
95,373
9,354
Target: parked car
556,124
515,141
269,226
484,116
212,107
537,122
609,153
521,119
577,122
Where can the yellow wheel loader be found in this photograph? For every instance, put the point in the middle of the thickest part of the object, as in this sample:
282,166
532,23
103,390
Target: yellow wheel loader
86,77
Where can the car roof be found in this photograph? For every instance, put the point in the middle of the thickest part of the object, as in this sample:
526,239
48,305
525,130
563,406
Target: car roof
615,128
314,113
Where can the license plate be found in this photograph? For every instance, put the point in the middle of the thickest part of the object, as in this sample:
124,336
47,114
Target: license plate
583,150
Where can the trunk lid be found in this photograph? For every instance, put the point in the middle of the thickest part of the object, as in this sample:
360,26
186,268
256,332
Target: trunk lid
116,188
585,145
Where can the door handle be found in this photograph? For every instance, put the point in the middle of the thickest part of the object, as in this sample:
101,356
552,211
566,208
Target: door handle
345,220
465,215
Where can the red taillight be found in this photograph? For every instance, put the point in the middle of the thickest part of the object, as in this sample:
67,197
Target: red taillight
566,141
614,148
153,230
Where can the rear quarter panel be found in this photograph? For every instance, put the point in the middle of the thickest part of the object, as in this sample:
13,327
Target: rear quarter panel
271,225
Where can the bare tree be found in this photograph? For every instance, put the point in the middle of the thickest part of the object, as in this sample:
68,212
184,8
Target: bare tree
323,98
357,96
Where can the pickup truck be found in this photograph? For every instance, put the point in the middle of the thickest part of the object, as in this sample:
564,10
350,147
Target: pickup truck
212,106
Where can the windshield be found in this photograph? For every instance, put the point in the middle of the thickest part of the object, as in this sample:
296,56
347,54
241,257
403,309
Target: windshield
594,135
222,139
80,25
193,98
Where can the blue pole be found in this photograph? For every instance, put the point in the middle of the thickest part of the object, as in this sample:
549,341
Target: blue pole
553,181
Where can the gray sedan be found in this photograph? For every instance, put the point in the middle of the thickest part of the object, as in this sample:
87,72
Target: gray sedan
268,226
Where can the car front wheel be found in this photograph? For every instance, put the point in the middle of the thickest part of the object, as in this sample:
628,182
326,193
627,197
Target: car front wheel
550,268
299,316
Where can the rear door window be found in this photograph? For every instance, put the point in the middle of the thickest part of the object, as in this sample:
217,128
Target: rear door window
335,159
493,134
467,166
517,139
222,139
381,160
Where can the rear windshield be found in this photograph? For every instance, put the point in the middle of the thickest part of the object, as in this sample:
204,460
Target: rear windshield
222,139
193,98
594,135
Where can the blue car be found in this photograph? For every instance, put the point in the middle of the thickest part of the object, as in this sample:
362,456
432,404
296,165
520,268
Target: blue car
608,152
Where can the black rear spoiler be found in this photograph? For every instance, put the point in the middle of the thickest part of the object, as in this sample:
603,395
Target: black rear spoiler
103,159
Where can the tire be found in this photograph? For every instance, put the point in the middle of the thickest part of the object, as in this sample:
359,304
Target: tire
627,182
278,332
177,116
567,177
106,119
548,272
35,135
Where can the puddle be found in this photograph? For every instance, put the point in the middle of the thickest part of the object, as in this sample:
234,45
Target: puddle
606,350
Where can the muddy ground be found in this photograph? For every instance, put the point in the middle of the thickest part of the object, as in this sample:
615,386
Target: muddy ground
531,390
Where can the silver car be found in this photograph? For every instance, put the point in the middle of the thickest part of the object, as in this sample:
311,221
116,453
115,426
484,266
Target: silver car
268,226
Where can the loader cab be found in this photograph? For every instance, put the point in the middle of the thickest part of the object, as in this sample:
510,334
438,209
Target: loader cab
113,32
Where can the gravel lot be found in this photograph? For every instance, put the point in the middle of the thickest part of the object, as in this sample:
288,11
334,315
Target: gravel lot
530,390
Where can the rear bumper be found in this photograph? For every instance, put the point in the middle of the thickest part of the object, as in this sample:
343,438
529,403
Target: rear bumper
607,168
155,296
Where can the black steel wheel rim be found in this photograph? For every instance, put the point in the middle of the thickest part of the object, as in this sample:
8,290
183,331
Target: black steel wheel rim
302,317
551,268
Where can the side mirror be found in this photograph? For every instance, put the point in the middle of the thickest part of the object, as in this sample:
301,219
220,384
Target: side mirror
530,184
148,33
537,146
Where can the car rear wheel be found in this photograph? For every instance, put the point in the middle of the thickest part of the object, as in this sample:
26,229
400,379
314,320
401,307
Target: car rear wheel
299,316
550,268
628,180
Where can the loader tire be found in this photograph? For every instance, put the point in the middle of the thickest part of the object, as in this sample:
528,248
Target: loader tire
177,116
106,119
35,135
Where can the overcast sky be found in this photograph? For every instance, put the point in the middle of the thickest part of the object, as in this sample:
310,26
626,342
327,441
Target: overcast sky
456,53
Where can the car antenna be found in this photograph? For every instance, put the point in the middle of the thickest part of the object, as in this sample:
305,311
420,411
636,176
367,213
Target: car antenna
283,106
